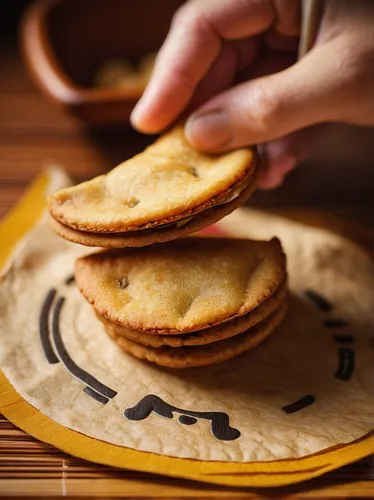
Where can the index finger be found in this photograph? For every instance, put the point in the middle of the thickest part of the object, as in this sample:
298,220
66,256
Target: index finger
192,45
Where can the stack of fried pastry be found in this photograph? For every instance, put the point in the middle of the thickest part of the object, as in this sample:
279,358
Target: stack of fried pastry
194,302
188,302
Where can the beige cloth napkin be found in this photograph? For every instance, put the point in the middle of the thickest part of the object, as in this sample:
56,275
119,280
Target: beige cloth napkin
307,388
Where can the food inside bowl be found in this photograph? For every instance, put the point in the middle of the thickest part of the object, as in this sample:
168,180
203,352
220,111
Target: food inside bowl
121,73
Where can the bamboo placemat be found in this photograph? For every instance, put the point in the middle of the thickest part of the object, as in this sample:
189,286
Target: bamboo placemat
31,468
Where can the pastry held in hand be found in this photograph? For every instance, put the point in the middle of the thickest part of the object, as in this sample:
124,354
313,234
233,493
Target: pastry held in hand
168,191
185,286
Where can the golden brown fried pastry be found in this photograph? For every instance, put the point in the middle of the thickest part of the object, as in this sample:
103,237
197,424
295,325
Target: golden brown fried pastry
208,335
159,234
217,352
185,286
169,183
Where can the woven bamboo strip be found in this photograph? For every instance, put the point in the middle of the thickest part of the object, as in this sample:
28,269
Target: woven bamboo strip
28,466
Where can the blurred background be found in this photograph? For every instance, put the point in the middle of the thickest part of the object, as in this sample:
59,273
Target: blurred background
71,71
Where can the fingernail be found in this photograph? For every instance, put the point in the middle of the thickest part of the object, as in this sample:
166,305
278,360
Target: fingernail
211,130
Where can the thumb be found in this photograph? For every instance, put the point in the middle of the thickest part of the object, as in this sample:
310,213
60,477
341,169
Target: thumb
283,155
266,108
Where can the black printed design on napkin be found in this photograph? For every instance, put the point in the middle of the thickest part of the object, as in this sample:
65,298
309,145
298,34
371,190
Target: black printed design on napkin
219,421
300,404
54,348
346,355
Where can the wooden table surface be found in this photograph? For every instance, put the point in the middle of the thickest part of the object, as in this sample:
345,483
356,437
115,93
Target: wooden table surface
33,134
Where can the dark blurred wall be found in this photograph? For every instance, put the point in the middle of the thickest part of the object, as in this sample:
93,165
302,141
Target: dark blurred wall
10,12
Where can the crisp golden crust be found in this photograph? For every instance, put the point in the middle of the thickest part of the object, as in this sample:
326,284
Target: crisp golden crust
209,335
167,181
217,352
187,285
153,235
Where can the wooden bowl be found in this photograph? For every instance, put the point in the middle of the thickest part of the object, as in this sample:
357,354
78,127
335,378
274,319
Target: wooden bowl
64,42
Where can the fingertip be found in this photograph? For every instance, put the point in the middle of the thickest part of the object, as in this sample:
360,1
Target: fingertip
268,182
280,154
276,170
141,122
134,120
275,173
145,116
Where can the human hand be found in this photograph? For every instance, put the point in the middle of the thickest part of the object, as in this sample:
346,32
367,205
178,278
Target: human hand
216,43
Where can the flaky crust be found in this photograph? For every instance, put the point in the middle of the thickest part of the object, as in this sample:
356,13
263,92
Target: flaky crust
187,285
217,352
209,335
167,181
154,235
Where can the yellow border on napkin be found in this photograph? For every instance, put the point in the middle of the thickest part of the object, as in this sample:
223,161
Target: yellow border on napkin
29,419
